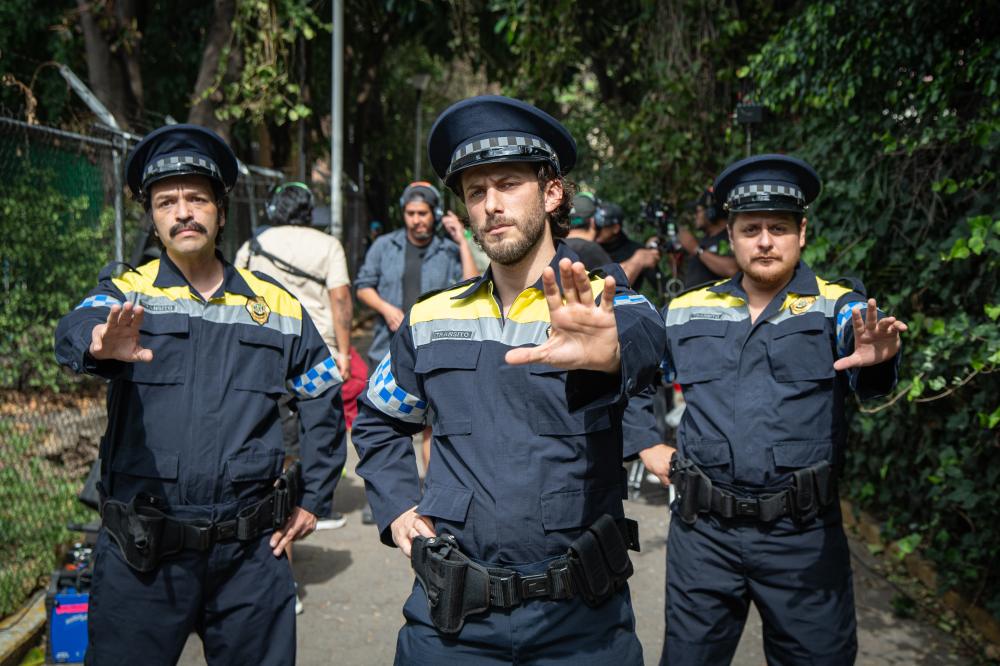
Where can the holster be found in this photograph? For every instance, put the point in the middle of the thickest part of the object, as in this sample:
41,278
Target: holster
456,586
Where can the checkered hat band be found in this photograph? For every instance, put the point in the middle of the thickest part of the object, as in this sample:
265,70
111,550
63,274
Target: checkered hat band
180,164
499,142
749,192
510,153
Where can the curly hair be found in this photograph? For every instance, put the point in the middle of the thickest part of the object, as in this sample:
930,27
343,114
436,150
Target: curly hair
559,218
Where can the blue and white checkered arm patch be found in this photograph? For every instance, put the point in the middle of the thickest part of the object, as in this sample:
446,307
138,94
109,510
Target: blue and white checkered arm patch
392,400
844,325
316,380
632,299
98,301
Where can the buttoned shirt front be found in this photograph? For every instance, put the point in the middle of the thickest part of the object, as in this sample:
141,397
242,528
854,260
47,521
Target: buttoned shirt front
198,426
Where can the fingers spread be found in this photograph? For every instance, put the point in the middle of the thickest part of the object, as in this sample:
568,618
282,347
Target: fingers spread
138,315
525,355
551,289
847,362
871,316
113,315
608,295
570,292
582,281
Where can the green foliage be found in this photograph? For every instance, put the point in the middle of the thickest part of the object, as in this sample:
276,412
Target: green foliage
896,106
53,246
266,90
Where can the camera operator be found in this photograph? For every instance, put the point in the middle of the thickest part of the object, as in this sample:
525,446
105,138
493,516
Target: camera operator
709,259
637,261
583,231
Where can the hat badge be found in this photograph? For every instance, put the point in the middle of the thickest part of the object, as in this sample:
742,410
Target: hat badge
258,309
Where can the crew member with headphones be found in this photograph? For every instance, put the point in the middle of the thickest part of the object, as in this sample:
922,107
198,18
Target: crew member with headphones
403,264
709,259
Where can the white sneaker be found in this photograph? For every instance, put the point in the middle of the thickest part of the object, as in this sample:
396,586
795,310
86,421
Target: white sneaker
335,521
298,602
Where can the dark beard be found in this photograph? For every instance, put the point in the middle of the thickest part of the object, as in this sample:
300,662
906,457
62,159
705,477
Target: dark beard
532,228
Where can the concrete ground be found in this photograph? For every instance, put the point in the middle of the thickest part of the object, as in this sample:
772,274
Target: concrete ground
353,590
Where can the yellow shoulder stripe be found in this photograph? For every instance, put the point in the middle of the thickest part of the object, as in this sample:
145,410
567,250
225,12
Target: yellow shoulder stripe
831,290
141,280
280,301
442,306
703,298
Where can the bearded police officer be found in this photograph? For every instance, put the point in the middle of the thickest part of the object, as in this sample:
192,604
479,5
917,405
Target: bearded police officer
518,539
766,359
196,512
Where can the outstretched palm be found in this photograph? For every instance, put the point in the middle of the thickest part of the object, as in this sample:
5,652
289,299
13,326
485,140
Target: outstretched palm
875,340
584,335
118,338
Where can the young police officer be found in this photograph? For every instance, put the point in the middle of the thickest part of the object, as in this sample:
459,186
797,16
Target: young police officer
197,353
517,539
766,359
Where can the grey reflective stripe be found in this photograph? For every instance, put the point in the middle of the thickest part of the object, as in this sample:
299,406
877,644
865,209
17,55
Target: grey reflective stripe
511,333
759,188
213,312
497,142
678,316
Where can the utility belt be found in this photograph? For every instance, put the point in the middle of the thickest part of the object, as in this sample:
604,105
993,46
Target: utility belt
813,489
594,568
146,535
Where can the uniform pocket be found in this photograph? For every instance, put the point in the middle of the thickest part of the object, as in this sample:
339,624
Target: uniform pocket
146,463
444,356
448,503
708,452
259,361
802,350
700,351
168,337
547,408
264,466
580,508
804,453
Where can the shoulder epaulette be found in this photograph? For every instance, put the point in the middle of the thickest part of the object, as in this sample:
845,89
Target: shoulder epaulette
427,294
854,284
703,285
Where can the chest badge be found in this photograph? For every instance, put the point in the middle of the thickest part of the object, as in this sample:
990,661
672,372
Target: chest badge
801,305
257,307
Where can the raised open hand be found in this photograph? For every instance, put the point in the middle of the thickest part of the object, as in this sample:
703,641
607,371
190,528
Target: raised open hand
118,338
584,336
875,340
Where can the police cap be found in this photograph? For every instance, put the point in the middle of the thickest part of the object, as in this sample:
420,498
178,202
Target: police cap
767,182
490,129
176,150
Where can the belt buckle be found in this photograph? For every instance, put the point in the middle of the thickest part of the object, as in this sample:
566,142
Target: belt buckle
747,508
537,585
226,530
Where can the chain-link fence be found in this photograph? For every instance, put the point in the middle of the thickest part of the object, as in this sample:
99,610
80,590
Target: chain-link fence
58,227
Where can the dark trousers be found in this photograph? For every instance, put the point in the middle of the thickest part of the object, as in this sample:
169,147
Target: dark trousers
538,633
237,596
799,580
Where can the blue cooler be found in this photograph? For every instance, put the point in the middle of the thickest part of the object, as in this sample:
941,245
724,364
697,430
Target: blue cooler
67,614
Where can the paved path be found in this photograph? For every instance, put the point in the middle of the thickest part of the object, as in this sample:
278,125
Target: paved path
353,590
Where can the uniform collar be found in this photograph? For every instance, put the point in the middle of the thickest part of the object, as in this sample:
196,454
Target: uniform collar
169,275
562,250
803,282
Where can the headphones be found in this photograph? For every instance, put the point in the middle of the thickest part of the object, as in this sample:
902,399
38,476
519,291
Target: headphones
272,197
707,201
435,205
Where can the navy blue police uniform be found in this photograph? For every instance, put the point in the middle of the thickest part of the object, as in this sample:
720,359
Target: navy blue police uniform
524,459
762,438
193,446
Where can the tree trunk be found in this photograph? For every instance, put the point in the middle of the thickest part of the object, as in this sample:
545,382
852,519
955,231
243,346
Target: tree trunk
103,69
218,39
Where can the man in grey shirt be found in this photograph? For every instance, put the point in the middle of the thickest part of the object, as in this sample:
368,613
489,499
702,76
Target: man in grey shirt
408,262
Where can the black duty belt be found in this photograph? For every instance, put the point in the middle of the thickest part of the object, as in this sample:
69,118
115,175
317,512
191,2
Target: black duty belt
594,568
812,490
145,534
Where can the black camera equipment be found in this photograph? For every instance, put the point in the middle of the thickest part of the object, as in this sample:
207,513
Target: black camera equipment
663,219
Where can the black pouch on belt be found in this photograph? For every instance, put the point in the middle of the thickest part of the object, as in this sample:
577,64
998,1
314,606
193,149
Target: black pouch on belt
456,586
599,562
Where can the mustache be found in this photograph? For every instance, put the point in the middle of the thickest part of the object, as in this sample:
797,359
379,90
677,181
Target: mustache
192,226
494,221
